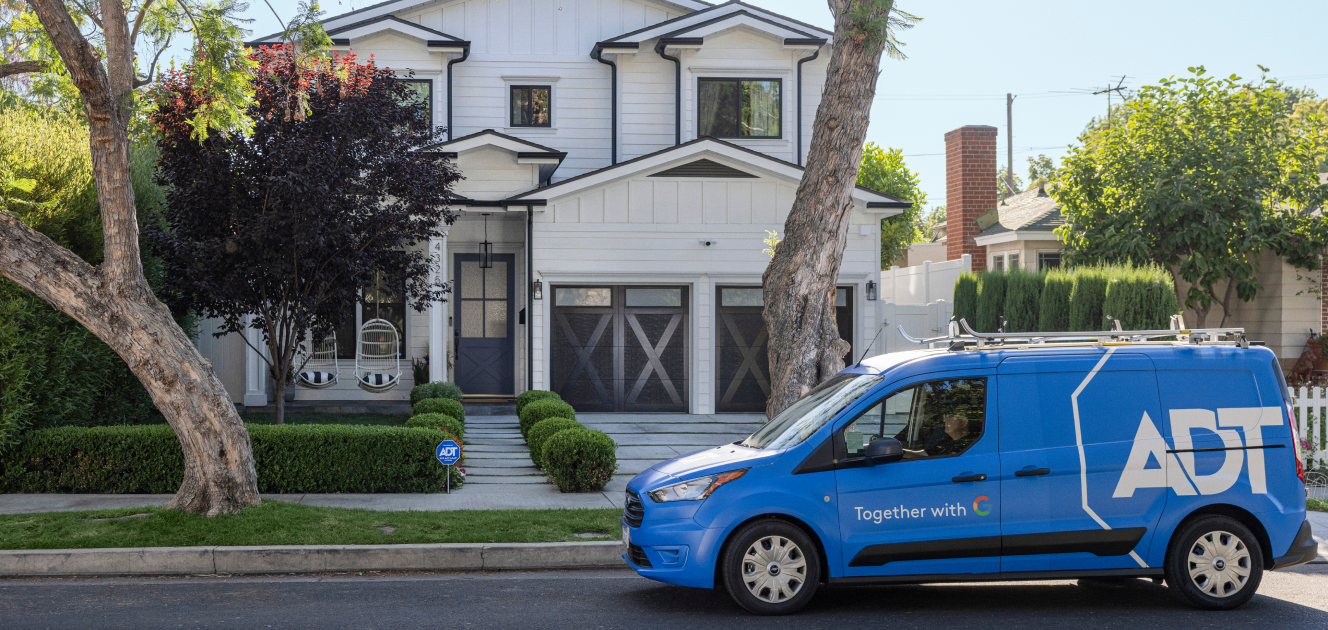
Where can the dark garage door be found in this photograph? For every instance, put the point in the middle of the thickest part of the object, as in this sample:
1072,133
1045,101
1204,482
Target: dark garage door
620,348
742,381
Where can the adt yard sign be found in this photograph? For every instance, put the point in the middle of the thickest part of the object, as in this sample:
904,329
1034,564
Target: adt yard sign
448,452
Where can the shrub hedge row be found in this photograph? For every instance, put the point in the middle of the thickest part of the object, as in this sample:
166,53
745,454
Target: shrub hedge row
289,459
445,406
435,390
579,460
530,396
440,421
543,410
1143,298
542,431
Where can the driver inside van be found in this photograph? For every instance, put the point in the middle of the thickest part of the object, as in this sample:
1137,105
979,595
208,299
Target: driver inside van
949,434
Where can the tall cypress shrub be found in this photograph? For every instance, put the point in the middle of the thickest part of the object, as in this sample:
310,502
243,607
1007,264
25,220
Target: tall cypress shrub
1086,298
966,298
1054,303
991,301
1023,292
1142,298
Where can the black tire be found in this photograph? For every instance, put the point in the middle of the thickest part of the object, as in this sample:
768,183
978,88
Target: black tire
1232,570
791,571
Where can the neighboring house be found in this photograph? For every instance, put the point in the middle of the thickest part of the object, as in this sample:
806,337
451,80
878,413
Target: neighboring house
623,160
1018,232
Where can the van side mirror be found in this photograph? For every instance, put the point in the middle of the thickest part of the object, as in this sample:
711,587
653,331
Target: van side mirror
883,451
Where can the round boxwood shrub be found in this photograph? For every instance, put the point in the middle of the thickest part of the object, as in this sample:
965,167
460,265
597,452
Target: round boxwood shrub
435,390
543,410
437,421
445,406
530,396
545,429
579,460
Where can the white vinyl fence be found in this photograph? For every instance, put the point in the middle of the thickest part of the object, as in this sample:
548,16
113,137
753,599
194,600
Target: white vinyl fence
1311,407
923,284
919,321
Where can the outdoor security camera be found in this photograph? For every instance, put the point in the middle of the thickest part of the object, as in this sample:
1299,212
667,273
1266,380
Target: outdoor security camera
707,242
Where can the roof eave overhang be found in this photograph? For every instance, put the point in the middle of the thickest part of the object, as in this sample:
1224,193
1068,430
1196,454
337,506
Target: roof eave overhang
1015,235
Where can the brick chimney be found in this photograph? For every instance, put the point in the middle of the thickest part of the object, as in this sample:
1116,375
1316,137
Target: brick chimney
970,188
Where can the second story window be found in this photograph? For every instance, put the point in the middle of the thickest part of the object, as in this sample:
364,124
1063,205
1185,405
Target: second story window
738,108
421,96
531,106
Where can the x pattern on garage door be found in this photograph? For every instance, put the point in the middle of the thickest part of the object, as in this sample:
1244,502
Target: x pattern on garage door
620,348
742,380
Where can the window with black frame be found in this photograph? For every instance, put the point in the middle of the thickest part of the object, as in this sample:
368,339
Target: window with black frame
739,108
532,106
385,299
934,419
420,95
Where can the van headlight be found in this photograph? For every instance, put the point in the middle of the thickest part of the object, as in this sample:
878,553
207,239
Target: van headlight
695,489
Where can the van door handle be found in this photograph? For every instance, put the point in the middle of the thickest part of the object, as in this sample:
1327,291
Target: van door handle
969,478
1032,472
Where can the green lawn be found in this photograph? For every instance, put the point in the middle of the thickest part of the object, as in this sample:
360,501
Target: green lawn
276,523
1318,505
382,419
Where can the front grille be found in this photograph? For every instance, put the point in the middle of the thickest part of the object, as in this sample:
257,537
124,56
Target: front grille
637,556
633,511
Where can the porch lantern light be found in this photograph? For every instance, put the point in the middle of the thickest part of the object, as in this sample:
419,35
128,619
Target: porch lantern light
537,290
486,248
871,291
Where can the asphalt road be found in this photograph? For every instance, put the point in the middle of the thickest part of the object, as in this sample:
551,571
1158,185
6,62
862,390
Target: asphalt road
620,599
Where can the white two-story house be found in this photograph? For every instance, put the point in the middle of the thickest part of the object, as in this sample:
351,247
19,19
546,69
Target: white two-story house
624,161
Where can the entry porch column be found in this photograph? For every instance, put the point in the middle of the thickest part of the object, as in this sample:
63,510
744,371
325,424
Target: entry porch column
438,312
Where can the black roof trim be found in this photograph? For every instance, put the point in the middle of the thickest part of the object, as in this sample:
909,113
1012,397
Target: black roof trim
680,41
704,168
728,16
491,132
340,41
902,205
447,43
542,154
633,45
496,203
689,143
389,18
712,8
805,41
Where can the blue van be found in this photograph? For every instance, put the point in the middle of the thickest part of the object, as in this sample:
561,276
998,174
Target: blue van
1167,460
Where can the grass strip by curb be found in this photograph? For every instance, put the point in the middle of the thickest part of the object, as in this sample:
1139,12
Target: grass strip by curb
277,523
1316,505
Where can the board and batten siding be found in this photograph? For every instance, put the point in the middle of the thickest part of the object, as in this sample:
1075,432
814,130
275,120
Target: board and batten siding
643,230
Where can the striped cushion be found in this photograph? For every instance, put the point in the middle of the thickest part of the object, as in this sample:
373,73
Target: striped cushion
318,378
379,380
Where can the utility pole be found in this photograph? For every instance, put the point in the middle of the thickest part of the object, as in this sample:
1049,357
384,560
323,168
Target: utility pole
1009,142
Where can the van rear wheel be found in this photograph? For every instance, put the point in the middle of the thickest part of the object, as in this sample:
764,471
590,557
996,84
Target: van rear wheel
771,567
1215,563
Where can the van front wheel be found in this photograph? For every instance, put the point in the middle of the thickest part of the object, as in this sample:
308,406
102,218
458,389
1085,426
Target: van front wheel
1215,563
771,567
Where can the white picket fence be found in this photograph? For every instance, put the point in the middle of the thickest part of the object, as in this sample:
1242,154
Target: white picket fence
1311,408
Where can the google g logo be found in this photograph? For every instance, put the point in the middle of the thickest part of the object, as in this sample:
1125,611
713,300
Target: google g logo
980,511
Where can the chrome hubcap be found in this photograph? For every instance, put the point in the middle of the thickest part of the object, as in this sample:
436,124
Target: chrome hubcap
1219,564
774,569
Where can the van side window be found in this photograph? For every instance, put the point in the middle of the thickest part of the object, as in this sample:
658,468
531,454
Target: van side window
933,419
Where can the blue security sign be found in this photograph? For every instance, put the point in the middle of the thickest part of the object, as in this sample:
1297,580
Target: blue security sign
448,452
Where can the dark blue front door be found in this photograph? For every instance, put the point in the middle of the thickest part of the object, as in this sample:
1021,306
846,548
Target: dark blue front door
483,327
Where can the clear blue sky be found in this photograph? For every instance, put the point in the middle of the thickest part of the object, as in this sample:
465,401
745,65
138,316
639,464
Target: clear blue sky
966,54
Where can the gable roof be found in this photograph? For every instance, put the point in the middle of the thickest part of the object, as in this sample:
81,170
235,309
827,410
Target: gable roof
665,159
733,11
527,152
1030,213
341,35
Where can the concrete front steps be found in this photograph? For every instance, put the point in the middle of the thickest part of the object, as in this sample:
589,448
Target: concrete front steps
496,453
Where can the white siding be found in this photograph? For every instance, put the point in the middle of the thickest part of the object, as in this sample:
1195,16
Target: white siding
227,357
492,173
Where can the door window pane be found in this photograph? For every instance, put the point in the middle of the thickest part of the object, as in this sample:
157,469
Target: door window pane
495,281
580,296
495,319
653,297
739,108
741,297
470,280
472,319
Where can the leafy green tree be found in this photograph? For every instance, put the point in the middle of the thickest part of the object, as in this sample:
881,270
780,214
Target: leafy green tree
929,222
1303,115
1040,170
1003,185
1199,175
884,171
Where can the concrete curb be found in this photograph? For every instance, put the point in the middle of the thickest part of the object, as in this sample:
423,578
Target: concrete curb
310,559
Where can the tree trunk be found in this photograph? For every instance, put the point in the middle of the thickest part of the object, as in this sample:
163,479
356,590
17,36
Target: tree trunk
114,300
799,283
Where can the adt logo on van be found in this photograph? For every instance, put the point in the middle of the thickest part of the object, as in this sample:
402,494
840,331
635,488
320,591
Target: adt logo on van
1176,466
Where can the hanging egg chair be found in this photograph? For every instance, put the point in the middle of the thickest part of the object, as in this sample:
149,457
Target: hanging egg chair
378,358
318,367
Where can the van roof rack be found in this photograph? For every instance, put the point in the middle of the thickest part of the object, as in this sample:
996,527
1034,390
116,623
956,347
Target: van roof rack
962,337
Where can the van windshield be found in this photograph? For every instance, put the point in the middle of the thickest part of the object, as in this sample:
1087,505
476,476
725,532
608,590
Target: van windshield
811,412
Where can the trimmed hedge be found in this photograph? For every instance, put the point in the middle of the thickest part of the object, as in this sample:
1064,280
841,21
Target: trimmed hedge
1086,298
966,298
1023,291
435,390
530,396
991,301
439,421
445,406
1054,306
289,459
542,431
1141,297
543,410
579,460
